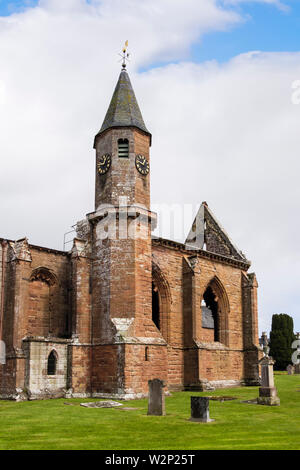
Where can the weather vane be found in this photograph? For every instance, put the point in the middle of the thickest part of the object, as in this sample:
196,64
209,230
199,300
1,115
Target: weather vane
125,55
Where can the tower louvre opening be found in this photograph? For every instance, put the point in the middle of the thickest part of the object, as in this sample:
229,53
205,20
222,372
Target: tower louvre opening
123,148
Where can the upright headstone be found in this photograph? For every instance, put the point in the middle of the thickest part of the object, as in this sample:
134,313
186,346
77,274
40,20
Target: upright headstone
296,354
2,353
290,369
200,410
267,391
156,400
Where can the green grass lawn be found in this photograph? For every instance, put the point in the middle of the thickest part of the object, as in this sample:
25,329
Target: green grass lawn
51,424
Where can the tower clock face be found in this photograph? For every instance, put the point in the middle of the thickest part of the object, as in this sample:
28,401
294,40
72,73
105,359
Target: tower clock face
103,164
142,164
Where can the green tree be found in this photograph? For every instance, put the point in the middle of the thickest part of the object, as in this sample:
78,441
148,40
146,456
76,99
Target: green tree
281,339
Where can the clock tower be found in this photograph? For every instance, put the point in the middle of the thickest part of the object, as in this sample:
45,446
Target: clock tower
128,348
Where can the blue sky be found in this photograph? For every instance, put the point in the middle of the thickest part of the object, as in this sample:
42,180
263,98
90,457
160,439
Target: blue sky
266,28
7,7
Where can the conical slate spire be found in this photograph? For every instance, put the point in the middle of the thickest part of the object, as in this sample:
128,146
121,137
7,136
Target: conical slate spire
123,110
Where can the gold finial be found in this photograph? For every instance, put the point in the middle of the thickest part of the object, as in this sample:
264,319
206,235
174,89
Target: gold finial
125,55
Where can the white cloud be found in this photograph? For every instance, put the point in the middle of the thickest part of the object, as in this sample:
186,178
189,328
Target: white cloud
227,133
231,138
281,5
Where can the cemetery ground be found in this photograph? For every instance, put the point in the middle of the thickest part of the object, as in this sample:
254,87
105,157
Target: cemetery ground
53,424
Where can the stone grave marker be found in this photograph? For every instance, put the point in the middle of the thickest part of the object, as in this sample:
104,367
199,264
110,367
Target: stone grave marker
101,404
297,369
156,400
2,353
200,410
267,391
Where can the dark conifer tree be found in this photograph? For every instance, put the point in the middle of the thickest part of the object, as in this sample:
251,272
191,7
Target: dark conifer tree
281,339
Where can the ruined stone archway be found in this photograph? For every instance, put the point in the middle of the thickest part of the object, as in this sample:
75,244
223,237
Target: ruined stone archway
44,315
44,275
215,305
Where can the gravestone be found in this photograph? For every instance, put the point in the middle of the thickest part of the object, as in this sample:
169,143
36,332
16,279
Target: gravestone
2,353
267,391
297,366
290,369
156,400
200,410
297,369
101,404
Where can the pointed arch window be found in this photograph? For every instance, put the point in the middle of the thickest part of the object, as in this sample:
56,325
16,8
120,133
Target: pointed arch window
210,313
155,306
52,363
215,312
161,301
123,148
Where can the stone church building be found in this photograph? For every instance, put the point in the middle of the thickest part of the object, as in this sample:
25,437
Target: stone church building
123,307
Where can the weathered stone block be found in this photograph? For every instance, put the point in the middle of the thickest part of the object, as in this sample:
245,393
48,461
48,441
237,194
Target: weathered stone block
200,410
156,399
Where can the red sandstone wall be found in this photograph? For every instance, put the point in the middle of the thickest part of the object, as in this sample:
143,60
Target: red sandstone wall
139,370
31,308
125,368
8,378
122,179
221,365
187,286
170,264
108,369
81,374
81,299
49,307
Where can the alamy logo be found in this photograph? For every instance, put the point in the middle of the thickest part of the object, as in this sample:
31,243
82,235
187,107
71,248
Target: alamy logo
296,354
125,222
2,352
296,94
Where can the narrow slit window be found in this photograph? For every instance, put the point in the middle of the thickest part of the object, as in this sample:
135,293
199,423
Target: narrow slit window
146,354
123,148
